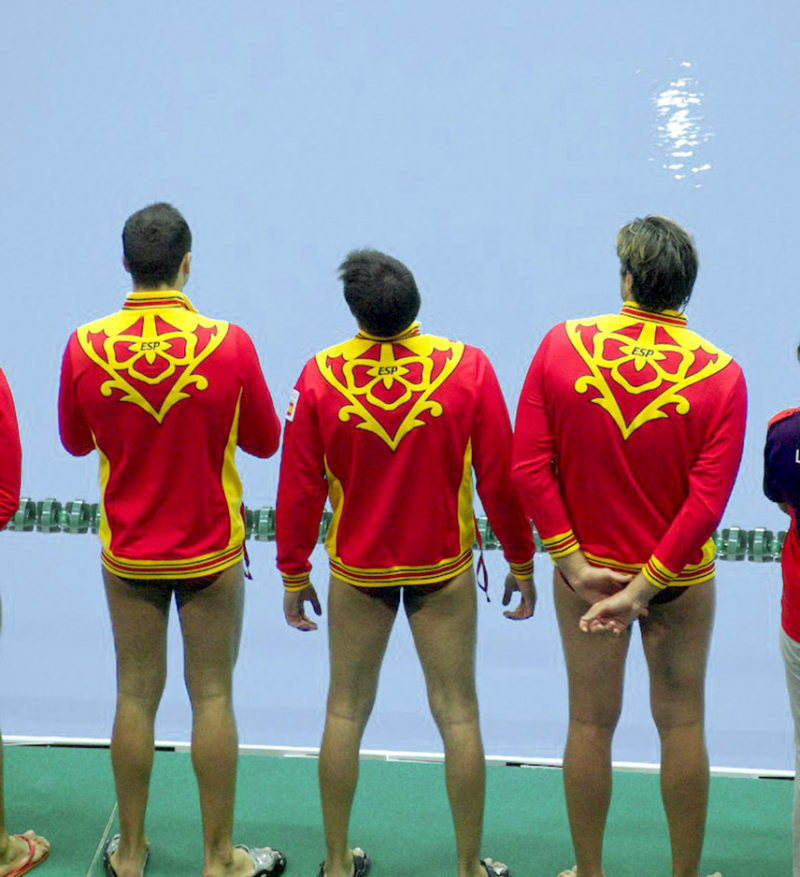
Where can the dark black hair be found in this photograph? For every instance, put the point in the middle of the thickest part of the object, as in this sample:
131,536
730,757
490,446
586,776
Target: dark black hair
380,292
154,242
661,258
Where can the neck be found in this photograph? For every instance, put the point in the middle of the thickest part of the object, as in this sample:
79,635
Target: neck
412,328
635,304
175,286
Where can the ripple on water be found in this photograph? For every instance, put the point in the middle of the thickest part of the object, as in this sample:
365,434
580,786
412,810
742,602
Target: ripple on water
682,128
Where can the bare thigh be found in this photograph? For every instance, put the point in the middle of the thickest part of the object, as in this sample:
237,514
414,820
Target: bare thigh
444,624
211,621
676,638
139,614
595,662
358,631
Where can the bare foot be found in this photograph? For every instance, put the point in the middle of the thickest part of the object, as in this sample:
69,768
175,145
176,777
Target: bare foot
19,850
241,865
491,867
129,867
245,862
350,868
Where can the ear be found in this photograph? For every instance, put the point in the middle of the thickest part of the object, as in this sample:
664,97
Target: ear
186,264
125,265
627,285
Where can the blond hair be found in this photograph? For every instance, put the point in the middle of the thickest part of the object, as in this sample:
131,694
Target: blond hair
661,258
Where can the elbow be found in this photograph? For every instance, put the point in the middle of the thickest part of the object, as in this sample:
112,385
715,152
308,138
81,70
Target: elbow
270,450
521,478
262,449
76,449
76,444
275,443
9,503
707,519
273,438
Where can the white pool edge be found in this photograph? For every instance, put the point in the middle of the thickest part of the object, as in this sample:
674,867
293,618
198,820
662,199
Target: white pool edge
528,761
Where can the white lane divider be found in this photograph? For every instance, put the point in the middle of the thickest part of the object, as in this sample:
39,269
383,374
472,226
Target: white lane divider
101,846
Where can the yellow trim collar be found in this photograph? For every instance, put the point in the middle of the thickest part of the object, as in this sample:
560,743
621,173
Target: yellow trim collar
669,317
159,298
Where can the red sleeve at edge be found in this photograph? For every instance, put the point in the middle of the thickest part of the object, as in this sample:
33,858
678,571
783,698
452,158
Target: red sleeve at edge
710,483
302,487
10,454
259,426
534,459
76,436
491,459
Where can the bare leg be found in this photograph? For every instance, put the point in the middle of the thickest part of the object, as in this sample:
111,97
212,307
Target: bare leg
211,620
595,671
676,639
359,626
444,628
790,649
13,850
139,614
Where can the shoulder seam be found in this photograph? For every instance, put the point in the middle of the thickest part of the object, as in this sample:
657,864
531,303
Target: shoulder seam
783,415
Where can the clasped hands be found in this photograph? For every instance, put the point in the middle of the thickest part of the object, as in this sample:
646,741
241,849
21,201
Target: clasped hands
616,598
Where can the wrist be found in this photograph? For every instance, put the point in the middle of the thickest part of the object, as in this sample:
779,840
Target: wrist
293,583
521,571
657,573
573,567
642,590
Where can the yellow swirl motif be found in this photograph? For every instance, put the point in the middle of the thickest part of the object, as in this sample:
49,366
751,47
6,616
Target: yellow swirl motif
124,345
395,375
614,356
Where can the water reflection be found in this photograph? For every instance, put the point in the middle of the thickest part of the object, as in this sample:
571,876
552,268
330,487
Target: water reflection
682,127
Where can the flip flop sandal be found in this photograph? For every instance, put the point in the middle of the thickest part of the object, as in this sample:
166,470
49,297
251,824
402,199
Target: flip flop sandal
495,869
266,861
361,864
28,864
112,845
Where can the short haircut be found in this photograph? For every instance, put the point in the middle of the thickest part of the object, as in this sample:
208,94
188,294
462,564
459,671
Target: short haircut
662,260
380,292
154,242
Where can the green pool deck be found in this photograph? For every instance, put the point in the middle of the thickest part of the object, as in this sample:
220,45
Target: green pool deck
400,817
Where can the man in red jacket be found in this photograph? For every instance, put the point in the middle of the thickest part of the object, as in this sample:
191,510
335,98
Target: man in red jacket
166,395
19,853
390,426
628,438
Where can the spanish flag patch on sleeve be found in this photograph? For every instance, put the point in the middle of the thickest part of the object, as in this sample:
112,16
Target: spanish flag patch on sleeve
292,405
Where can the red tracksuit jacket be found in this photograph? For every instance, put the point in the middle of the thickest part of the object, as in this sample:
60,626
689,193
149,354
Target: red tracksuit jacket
782,484
628,438
10,454
166,395
391,429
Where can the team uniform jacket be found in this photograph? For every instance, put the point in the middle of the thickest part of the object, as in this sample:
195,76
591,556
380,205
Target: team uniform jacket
166,395
390,429
628,438
782,484
10,454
